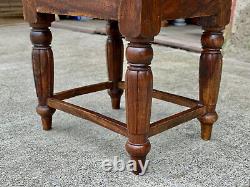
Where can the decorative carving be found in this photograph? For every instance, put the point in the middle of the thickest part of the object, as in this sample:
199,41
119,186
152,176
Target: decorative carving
43,69
210,76
139,88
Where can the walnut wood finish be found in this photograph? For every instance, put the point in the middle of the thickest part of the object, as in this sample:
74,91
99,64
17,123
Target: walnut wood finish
90,115
139,88
43,67
210,76
83,90
114,55
139,21
112,9
175,120
172,98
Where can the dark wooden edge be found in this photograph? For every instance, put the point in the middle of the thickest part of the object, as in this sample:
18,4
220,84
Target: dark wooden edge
172,98
146,12
104,121
175,120
176,99
177,44
83,90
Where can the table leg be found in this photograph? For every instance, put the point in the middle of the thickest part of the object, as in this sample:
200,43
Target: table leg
210,77
114,55
139,87
43,67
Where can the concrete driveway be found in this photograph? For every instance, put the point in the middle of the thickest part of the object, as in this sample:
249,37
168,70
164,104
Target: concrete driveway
71,153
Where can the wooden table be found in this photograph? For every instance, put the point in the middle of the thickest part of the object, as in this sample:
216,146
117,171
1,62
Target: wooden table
139,21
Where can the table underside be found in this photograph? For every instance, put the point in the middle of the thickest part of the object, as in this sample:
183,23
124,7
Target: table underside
195,109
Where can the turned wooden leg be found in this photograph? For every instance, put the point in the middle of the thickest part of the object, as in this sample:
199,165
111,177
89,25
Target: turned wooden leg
43,67
210,76
114,54
139,86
